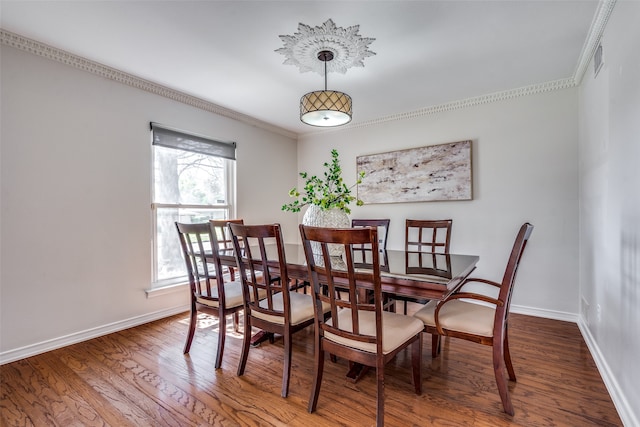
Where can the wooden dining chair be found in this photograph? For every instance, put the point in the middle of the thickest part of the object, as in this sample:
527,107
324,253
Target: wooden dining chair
458,316
425,235
359,330
212,291
362,253
268,303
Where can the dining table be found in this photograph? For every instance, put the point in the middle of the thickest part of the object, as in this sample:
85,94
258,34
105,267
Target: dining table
421,275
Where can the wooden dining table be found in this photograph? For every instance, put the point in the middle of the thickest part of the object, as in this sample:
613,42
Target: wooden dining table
414,274
419,275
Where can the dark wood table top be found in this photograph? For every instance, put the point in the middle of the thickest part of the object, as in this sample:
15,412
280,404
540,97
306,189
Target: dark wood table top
419,275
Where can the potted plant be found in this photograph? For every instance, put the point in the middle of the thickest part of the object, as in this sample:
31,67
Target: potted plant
328,193
327,198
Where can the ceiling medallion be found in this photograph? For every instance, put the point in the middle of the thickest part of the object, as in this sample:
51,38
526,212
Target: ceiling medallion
325,49
347,47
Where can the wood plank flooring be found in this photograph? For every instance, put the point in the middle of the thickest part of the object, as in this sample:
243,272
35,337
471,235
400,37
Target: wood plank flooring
139,377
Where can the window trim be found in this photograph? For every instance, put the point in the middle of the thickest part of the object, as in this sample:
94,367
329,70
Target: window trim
228,148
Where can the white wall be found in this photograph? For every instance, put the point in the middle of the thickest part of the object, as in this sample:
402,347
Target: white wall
610,209
75,214
524,169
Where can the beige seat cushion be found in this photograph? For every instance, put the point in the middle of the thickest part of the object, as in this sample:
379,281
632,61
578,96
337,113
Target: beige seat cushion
301,308
461,316
232,294
396,329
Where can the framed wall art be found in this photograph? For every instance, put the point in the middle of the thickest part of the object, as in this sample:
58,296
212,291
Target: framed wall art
431,173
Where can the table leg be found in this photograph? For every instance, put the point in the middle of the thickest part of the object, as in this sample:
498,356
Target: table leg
356,371
260,337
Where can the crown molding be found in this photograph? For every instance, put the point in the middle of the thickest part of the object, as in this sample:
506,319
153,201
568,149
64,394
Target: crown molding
600,19
465,103
483,99
37,48
599,23
596,30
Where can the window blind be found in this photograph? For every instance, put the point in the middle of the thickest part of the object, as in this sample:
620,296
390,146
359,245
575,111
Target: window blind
172,138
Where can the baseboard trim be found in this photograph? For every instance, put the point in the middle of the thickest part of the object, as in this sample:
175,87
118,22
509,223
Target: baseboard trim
546,314
52,344
625,411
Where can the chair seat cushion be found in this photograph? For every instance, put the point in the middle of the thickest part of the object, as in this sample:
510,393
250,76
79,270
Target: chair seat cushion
461,316
396,330
301,308
232,294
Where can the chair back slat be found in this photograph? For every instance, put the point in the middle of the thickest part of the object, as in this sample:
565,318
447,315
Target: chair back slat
428,235
224,244
222,234
336,280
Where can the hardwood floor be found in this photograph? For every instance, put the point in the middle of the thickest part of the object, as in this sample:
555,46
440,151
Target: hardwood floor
139,377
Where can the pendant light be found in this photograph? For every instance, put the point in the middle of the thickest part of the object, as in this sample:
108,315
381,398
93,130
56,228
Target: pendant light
325,108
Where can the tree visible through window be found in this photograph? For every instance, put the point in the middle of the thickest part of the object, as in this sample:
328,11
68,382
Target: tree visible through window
188,186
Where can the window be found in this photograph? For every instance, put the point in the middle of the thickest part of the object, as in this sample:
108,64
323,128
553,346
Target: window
193,181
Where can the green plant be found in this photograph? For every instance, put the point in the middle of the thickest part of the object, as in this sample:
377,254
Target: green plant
328,193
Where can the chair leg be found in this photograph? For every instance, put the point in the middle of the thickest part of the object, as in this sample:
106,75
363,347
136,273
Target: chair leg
380,396
192,329
435,345
507,356
317,378
236,321
246,343
286,371
222,333
416,362
501,381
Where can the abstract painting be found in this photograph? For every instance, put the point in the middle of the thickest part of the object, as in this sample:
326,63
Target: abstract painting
431,173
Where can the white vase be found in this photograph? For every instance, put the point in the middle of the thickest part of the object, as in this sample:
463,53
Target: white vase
330,218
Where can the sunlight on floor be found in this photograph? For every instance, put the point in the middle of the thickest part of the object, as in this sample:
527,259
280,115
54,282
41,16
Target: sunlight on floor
206,321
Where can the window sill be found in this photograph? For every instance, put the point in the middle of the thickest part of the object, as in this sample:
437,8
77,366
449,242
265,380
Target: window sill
166,290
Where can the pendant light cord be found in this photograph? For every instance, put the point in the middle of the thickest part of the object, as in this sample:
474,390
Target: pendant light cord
325,75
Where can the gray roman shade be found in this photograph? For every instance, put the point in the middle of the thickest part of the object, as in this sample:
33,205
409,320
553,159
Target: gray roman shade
173,138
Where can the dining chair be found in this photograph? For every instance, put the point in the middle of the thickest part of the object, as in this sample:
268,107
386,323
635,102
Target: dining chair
485,323
212,291
362,253
359,330
425,235
268,303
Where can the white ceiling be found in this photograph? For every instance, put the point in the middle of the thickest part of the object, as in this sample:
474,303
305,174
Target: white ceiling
427,52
